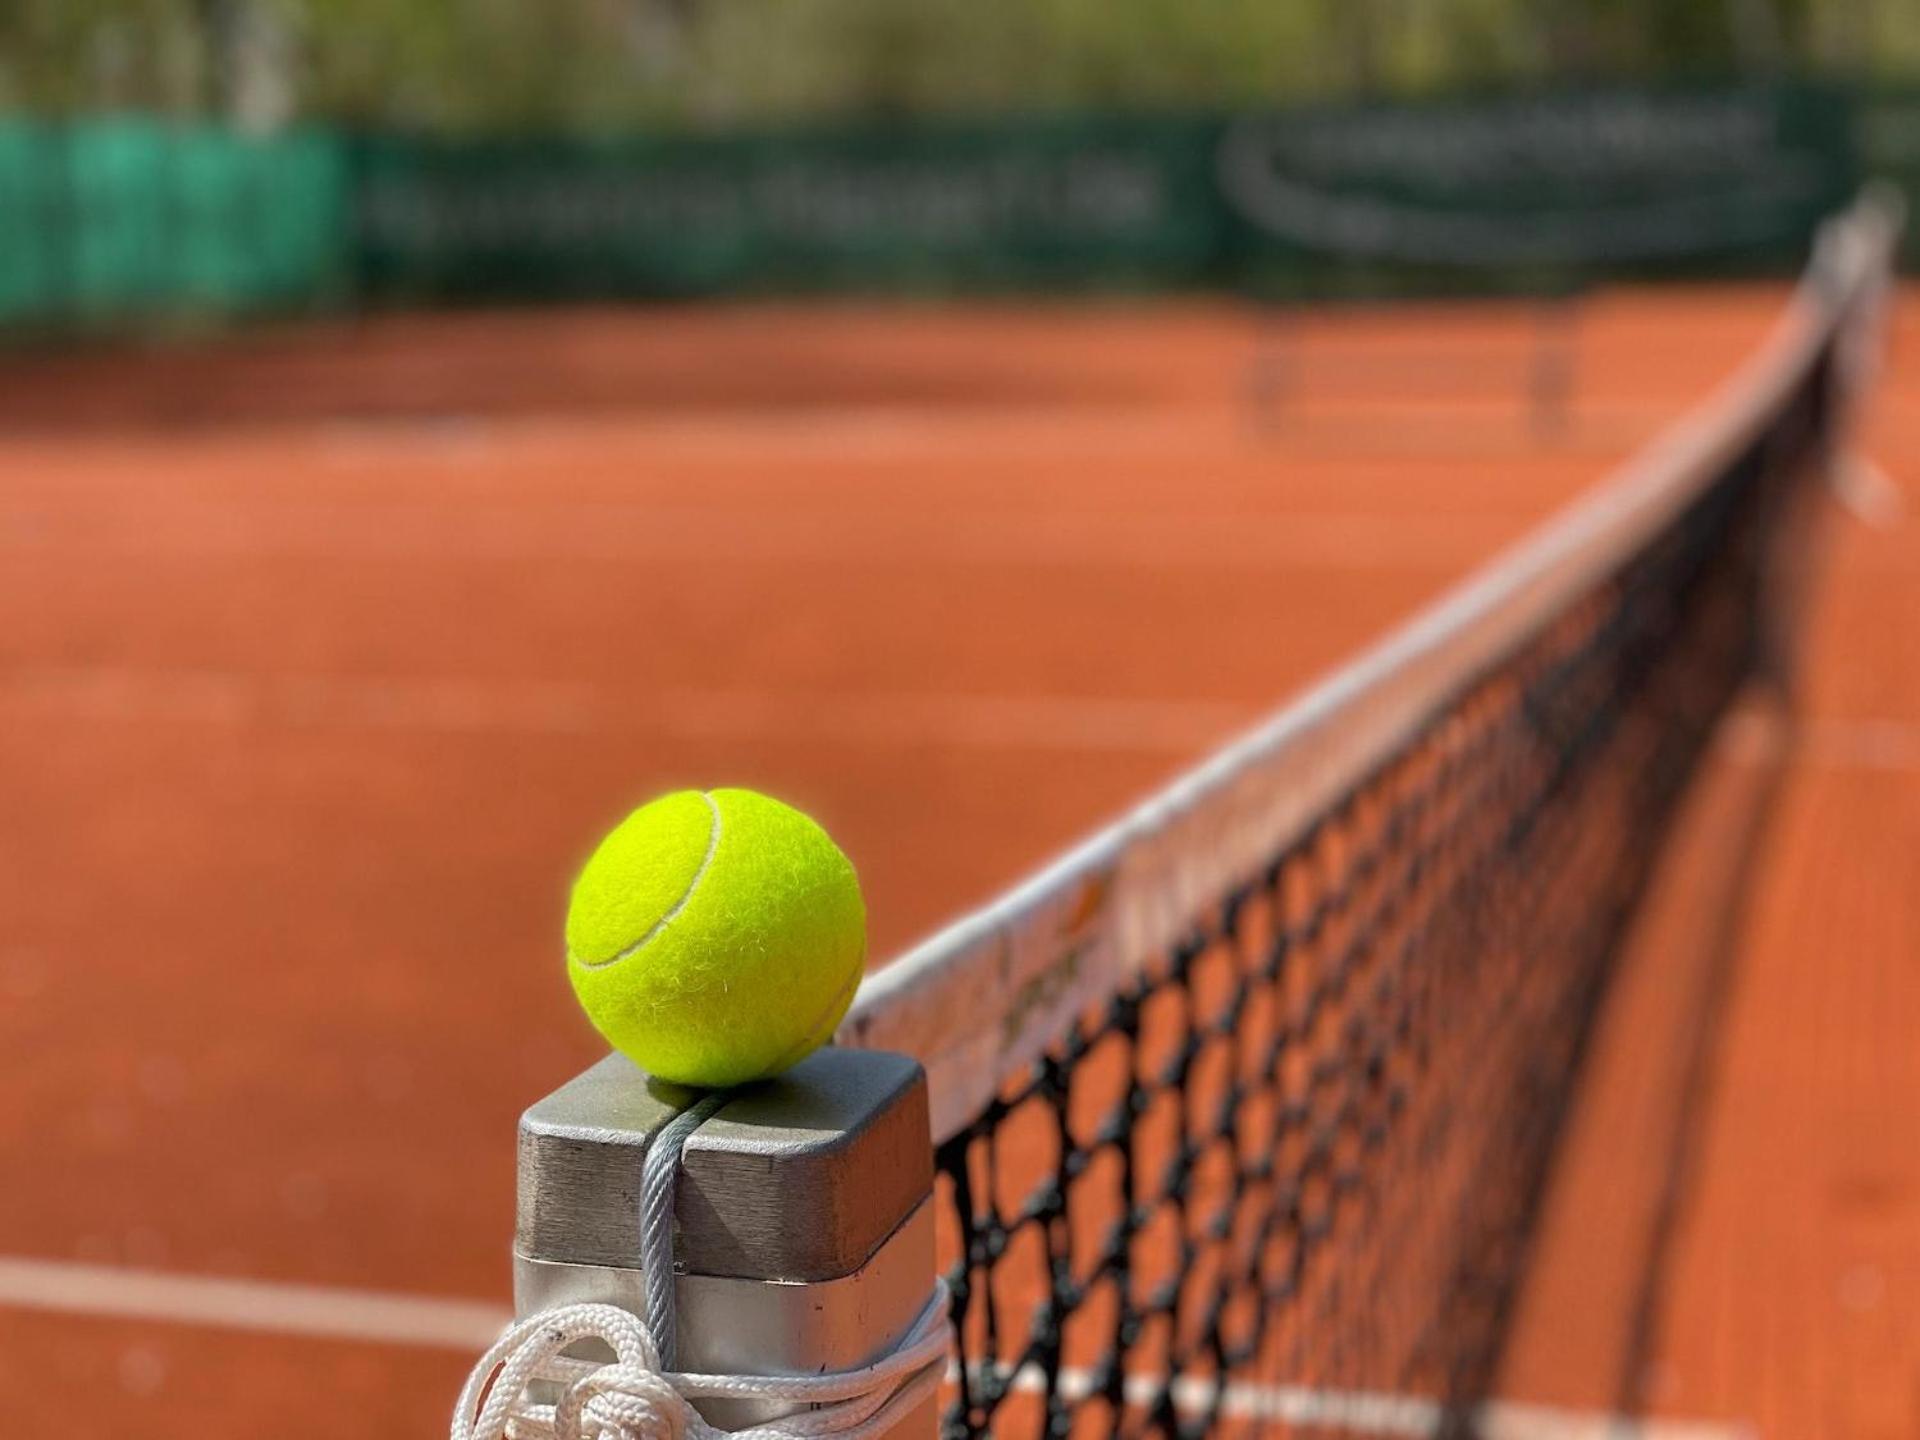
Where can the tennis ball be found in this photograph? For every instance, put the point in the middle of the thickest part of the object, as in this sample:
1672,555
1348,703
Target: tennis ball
716,937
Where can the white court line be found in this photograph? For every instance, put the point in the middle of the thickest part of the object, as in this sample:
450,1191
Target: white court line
429,704
1874,746
375,1317
1868,492
679,537
234,698
906,433
1883,745
265,1306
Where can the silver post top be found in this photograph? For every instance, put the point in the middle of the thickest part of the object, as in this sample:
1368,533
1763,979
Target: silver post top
797,1179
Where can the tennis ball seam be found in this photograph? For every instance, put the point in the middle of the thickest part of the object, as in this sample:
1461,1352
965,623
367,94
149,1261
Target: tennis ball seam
809,1040
686,897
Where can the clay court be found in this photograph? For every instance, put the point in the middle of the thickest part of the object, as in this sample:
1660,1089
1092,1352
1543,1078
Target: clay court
332,648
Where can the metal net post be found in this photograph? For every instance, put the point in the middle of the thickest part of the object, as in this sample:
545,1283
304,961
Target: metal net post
803,1217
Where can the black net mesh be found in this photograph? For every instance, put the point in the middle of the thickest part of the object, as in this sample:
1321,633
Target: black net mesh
1284,1182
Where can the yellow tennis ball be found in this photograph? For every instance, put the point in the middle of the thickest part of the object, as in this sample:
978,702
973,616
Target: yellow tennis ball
716,937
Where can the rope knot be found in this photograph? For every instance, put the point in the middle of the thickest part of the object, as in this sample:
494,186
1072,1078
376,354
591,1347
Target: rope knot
634,1397
621,1402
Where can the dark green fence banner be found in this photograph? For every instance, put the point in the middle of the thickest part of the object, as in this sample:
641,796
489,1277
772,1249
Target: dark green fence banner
1493,190
111,218
1041,201
1588,183
105,219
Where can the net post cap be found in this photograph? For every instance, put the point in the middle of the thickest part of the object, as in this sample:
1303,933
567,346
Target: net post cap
800,1178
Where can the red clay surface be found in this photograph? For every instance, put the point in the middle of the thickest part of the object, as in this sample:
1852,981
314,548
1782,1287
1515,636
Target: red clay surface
328,655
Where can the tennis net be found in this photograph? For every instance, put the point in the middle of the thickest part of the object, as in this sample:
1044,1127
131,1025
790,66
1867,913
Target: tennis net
1240,1112
1243,1109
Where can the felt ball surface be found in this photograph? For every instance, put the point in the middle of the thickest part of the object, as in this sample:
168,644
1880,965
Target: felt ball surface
716,937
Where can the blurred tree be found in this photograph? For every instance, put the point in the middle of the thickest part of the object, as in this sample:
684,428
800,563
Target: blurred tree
587,64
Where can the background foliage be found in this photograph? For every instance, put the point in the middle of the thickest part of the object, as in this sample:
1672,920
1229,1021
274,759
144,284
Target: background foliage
466,65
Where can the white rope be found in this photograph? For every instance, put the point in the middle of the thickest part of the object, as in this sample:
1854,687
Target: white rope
634,1398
